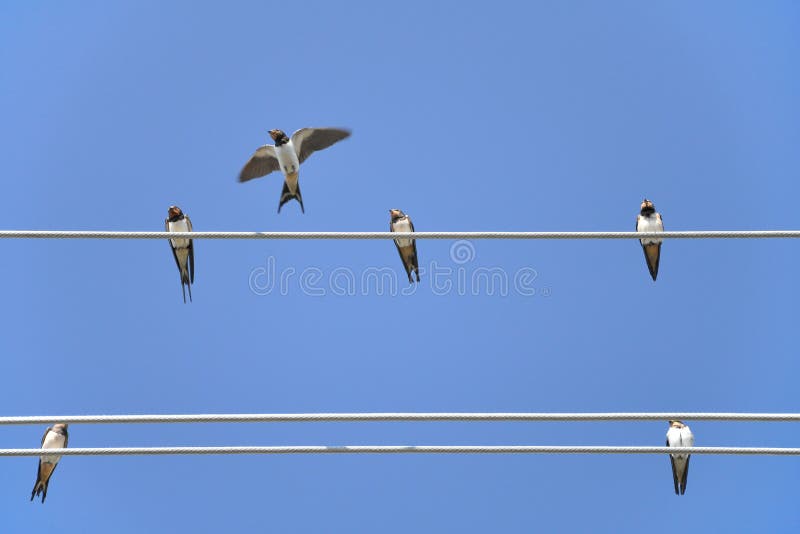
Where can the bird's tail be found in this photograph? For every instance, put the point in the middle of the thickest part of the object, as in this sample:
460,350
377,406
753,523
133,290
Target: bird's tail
287,195
39,488
186,282
413,267
652,254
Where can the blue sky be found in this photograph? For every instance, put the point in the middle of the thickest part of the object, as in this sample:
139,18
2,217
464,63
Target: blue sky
468,116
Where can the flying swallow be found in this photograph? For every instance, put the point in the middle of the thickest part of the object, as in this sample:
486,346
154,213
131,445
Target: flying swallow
400,222
649,220
182,249
287,154
55,437
679,435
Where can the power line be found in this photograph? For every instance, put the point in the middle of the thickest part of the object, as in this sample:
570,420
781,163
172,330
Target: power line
402,449
396,417
101,234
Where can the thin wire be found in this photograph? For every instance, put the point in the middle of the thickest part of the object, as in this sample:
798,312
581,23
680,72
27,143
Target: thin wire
403,449
93,234
386,417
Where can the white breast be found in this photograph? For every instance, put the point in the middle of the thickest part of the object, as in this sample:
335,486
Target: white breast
680,437
649,224
402,226
287,158
179,226
687,438
52,440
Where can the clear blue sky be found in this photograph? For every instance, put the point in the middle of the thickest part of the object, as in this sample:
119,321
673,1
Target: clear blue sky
468,116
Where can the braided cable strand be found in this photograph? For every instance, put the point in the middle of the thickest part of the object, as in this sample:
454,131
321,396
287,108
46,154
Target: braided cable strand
402,449
94,234
389,417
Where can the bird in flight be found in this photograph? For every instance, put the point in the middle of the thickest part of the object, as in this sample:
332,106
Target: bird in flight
287,154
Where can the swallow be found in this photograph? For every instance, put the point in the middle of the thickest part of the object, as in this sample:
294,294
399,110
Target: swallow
55,437
182,249
649,220
679,435
287,154
400,222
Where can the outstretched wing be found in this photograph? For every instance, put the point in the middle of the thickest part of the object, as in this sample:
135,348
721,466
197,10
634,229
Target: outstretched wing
263,162
308,140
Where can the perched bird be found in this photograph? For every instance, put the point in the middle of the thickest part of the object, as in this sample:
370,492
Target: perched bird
400,222
287,154
679,435
649,220
55,437
182,249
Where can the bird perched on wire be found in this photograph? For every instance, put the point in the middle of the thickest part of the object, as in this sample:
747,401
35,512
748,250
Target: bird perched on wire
679,435
55,437
287,154
182,249
649,220
400,222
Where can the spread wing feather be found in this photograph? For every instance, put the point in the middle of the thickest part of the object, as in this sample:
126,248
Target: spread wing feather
263,162
306,141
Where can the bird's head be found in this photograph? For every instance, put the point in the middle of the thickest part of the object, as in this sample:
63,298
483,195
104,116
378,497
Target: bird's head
676,424
396,214
60,426
277,134
647,207
173,211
